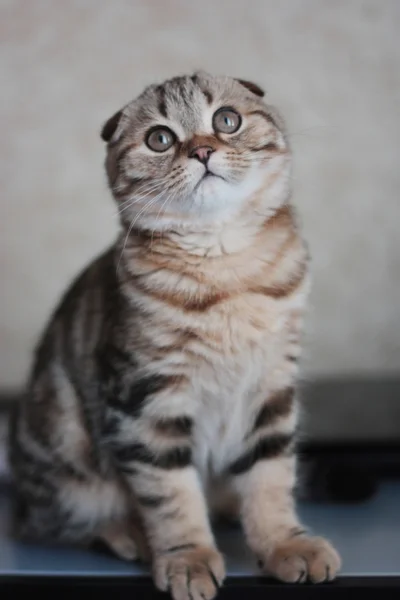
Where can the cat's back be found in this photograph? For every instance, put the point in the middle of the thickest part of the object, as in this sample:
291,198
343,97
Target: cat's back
52,422
77,321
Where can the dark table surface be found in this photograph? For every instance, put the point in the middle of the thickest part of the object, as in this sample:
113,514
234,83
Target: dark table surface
367,535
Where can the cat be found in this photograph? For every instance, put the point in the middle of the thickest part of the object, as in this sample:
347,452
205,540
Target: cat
163,390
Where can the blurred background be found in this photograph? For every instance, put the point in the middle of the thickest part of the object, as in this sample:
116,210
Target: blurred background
333,69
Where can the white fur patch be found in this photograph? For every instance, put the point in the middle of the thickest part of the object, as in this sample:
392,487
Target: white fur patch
93,502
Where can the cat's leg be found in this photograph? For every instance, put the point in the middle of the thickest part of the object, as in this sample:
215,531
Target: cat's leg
74,512
126,538
264,476
185,559
273,531
119,540
159,471
59,498
81,514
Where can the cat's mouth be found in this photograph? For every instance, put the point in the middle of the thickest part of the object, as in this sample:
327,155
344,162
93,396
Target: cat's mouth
207,175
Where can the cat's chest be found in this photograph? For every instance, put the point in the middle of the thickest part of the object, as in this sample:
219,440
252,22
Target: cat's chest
239,341
251,343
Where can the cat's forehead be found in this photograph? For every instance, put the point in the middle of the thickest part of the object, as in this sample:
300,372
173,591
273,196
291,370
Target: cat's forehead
182,100
190,101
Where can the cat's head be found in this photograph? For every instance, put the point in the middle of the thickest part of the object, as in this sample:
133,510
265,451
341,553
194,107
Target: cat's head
196,149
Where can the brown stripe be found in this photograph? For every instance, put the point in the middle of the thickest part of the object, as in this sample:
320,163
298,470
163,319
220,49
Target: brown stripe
252,87
283,217
212,298
181,301
282,290
270,147
180,548
208,96
151,501
174,427
157,265
280,404
266,448
178,81
123,152
296,531
264,115
173,458
292,358
201,304
129,187
146,235
194,304
161,101
140,390
120,192
206,338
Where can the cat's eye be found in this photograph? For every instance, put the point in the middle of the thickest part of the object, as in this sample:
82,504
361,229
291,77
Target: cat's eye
226,120
160,139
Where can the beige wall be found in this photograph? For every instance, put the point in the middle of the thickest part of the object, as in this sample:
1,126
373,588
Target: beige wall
332,66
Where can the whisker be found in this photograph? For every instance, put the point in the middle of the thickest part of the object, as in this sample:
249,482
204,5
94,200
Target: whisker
143,188
137,199
165,204
147,205
158,185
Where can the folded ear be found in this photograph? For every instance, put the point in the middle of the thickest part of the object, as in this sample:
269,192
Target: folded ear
110,127
252,87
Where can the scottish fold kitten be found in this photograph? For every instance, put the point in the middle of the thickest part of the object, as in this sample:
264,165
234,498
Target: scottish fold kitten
163,390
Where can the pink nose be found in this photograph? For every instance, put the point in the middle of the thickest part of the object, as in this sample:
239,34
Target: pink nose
202,153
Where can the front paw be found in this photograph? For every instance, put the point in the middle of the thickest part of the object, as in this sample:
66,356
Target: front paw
301,559
189,574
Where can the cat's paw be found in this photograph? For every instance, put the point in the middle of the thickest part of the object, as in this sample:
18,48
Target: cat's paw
190,574
301,559
126,540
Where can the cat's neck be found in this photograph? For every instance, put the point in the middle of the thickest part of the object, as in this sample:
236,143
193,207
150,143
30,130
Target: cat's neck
221,257
218,240
203,239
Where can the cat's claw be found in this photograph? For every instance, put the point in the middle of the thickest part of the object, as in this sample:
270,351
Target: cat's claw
301,559
194,574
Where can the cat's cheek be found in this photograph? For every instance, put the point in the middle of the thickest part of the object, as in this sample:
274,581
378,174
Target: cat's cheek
194,171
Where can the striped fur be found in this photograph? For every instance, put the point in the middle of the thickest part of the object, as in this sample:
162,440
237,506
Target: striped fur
164,385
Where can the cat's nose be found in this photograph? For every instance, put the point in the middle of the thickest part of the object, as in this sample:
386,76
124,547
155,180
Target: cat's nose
202,153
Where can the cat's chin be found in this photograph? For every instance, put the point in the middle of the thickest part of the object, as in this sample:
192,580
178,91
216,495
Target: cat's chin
216,195
210,185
